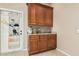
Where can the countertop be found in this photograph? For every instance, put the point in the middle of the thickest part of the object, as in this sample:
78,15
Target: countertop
43,33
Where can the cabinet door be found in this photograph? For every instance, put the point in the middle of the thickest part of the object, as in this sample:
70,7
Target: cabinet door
52,41
40,14
43,43
33,44
32,14
48,17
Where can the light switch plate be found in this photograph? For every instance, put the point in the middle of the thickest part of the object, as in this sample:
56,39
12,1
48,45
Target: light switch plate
77,30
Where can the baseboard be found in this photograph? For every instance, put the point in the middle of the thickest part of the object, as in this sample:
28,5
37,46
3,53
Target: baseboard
63,52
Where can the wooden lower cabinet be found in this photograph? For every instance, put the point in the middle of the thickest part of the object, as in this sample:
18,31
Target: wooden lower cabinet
52,41
40,43
33,44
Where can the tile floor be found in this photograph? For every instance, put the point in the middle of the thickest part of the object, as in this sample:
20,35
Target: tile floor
24,53
50,53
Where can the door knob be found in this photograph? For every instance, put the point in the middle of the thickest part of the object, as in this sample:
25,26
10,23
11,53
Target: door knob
21,32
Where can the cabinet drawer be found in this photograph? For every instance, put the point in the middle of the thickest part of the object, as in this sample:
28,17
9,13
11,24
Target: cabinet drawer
33,37
52,36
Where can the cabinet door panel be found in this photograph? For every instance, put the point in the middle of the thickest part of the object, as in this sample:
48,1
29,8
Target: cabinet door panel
52,42
40,15
43,43
33,44
31,14
48,16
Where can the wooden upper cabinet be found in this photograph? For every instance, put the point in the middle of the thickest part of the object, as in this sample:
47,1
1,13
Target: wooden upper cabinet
48,17
32,14
40,15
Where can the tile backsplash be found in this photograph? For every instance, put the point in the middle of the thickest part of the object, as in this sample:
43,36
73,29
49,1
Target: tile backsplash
36,29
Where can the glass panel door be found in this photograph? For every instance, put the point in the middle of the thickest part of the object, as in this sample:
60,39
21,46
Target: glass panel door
14,30
11,30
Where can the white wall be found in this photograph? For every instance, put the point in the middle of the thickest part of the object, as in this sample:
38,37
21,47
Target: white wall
66,23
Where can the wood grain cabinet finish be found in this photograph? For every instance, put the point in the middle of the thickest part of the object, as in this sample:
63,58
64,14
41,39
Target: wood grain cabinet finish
40,43
48,19
32,14
52,41
40,15
33,44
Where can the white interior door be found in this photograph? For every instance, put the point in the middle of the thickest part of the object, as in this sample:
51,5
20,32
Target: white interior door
11,30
